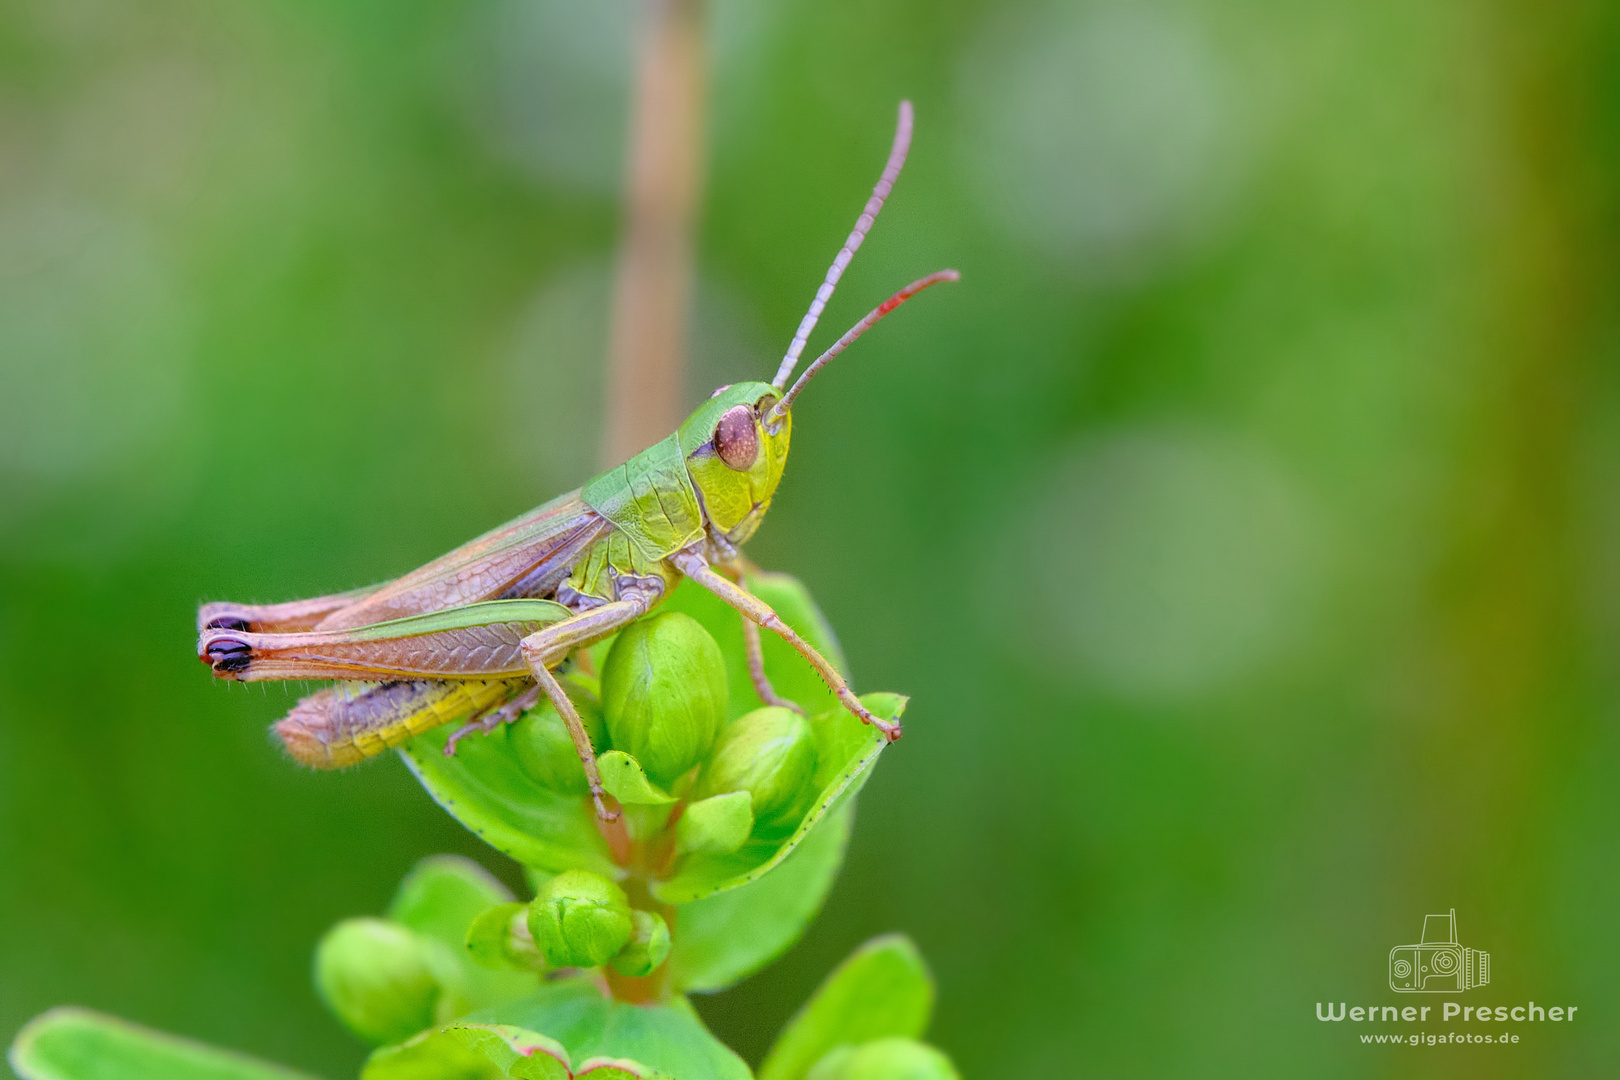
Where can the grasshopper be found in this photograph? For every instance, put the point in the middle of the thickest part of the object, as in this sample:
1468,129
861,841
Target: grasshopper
480,631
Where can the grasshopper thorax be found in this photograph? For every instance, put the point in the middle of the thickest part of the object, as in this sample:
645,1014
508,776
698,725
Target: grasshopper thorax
735,457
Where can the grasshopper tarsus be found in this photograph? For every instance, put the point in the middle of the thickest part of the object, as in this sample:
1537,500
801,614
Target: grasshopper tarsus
228,622
227,655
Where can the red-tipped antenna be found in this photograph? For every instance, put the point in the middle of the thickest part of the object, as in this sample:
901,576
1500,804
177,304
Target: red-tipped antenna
856,331
891,171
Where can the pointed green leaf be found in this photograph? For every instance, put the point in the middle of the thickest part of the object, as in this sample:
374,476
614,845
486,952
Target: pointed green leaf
883,989
893,1058
485,787
625,780
466,1051
599,1068
76,1044
717,825
728,936
846,751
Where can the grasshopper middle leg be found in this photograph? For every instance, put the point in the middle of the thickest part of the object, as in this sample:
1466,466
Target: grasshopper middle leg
546,648
493,717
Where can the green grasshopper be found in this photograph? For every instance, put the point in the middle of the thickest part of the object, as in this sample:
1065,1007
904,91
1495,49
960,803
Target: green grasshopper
479,632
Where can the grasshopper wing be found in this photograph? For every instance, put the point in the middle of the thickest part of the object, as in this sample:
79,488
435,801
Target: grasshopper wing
529,556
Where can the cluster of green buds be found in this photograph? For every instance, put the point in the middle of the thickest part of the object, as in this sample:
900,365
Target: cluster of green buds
400,983
577,920
689,890
657,717
388,977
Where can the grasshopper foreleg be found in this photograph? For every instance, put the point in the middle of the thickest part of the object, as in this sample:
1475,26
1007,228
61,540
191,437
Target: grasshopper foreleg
735,567
759,612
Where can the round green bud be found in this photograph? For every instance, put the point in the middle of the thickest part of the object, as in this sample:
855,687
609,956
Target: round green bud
544,749
499,939
579,919
771,754
648,947
884,1059
384,981
717,825
664,694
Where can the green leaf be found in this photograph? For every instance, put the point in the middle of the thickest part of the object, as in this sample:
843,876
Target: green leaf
625,779
76,1044
493,1052
893,1058
441,897
719,824
485,787
667,1038
883,989
846,751
471,1052
728,936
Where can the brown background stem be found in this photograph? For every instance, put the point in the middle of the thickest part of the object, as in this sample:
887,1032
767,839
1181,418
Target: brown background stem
663,181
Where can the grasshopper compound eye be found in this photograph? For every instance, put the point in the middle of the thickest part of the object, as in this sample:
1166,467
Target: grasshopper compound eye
736,439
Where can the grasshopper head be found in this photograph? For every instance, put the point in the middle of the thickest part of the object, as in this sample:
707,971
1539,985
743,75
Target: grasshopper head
736,444
735,455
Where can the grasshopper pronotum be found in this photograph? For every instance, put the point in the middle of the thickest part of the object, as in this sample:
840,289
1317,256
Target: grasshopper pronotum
478,631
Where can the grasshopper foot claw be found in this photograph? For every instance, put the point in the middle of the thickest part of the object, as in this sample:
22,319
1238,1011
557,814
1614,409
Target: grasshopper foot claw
228,656
486,723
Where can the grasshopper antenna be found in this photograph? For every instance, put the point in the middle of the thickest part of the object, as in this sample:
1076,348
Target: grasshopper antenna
781,407
863,224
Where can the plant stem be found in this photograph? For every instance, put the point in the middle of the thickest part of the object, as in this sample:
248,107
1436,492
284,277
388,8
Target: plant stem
653,282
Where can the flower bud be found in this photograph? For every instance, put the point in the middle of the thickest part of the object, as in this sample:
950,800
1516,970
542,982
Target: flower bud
771,754
385,982
579,919
664,694
499,939
648,947
544,749
884,1059
717,825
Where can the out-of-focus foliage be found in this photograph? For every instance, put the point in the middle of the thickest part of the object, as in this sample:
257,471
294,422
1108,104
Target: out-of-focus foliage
1243,523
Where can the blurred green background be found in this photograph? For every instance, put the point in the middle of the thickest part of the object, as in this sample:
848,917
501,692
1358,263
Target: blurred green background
1243,525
